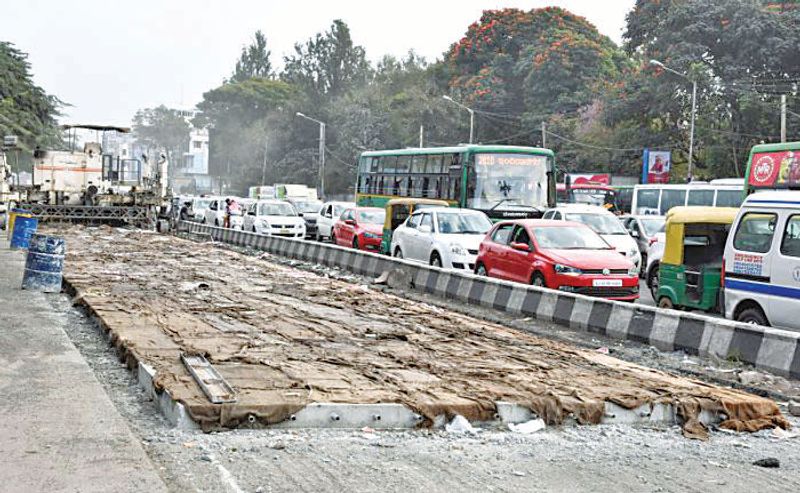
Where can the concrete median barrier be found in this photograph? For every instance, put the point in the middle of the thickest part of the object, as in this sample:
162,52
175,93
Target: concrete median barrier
773,350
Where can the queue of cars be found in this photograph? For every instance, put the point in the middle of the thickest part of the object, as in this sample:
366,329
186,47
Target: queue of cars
742,262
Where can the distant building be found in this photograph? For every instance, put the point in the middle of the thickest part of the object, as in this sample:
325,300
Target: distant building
191,174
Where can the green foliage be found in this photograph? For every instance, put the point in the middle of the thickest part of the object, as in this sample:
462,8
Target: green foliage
328,64
602,104
25,109
254,60
162,128
741,54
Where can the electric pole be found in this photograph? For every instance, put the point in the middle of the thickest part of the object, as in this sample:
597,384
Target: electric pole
544,135
264,166
783,117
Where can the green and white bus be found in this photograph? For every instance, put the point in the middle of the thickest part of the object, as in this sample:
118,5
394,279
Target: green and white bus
505,182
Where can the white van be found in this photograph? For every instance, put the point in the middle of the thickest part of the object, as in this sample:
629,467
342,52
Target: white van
762,261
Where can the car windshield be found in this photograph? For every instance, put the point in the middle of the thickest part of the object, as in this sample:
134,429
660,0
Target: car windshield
569,238
310,206
504,180
377,216
201,204
652,225
338,209
604,224
463,223
276,210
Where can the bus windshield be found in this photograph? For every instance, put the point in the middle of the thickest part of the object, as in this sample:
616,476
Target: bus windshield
503,180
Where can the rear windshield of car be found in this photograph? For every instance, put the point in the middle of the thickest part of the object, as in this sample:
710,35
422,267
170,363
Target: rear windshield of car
652,225
455,223
276,210
304,207
604,224
569,238
372,217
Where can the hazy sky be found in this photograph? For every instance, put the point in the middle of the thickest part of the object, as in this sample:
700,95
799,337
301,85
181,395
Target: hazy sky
109,58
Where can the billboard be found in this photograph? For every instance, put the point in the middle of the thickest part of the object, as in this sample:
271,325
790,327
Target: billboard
588,178
656,166
775,170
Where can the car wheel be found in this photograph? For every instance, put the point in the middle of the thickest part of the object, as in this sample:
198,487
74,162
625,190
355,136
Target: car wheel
254,229
317,237
480,270
753,316
203,221
538,280
652,281
643,265
216,223
355,242
436,260
333,238
665,302
398,253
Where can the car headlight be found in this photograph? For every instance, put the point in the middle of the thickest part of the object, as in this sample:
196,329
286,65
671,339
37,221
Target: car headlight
371,236
566,269
458,249
633,271
265,223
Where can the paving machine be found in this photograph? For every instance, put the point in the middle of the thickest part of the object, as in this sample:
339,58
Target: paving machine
90,185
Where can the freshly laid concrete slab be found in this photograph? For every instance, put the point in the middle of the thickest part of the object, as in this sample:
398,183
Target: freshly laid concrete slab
59,431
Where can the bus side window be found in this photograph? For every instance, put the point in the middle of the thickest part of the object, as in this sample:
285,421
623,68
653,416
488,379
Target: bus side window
373,165
380,190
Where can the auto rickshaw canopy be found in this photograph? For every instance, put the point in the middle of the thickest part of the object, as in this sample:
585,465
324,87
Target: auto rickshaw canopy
410,204
681,218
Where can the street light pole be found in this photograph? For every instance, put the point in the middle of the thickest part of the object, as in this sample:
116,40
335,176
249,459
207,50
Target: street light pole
321,152
694,111
471,116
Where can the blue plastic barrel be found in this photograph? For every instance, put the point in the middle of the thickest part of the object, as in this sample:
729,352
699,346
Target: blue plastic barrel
44,263
24,227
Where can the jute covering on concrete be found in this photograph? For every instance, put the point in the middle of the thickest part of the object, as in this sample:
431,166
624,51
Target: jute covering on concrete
284,338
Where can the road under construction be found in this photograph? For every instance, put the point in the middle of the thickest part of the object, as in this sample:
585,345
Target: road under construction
317,380
284,338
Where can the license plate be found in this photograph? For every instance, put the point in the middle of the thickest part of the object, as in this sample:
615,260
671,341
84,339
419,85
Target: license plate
284,231
607,283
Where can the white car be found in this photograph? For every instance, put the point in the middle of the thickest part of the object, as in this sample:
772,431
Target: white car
604,223
442,237
274,218
215,212
198,207
654,253
237,221
328,215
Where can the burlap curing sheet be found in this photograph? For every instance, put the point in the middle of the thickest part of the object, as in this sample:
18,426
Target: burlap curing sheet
284,338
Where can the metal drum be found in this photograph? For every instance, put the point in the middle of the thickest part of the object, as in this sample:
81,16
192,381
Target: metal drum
12,215
24,228
44,263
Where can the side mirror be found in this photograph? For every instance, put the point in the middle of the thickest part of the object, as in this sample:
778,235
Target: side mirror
351,222
425,228
522,247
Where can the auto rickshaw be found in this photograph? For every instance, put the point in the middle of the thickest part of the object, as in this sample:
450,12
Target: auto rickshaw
690,270
397,210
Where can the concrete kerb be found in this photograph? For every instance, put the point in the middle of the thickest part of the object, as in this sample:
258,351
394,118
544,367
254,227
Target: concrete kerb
773,350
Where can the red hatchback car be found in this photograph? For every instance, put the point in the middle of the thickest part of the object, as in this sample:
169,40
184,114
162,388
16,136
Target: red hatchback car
562,255
360,228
